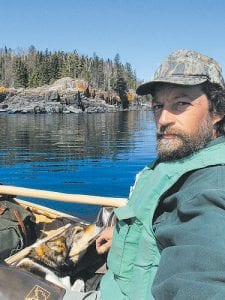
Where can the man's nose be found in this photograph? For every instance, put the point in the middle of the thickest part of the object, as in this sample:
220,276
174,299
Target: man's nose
166,118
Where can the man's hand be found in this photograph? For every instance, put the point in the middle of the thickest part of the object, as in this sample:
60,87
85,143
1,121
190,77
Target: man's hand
104,241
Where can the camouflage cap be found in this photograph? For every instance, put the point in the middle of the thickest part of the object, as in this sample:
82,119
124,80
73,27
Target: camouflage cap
185,67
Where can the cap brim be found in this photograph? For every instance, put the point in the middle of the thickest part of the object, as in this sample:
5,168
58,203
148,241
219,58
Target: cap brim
148,87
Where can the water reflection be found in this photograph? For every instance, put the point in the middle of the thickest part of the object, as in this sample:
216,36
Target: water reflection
96,154
56,137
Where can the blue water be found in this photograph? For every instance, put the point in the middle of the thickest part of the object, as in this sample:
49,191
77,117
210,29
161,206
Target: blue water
94,154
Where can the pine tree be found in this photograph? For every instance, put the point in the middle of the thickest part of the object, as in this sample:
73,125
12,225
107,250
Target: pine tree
121,89
120,83
54,67
130,76
20,73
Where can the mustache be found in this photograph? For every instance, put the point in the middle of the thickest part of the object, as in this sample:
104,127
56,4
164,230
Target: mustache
164,130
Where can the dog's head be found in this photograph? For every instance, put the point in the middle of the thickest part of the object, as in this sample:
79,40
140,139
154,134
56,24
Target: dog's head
80,238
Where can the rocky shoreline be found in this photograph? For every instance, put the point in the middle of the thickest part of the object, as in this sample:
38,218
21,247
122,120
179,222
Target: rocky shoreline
64,97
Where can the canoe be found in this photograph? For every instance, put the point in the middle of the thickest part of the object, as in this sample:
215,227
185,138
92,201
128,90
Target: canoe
52,224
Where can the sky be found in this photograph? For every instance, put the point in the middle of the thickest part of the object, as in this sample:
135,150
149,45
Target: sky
143,32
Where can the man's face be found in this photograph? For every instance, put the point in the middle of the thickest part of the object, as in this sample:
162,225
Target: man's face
184,123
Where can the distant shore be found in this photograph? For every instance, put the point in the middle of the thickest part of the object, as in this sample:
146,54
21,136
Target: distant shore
61,97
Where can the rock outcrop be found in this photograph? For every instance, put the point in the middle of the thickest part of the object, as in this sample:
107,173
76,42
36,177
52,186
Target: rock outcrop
66,95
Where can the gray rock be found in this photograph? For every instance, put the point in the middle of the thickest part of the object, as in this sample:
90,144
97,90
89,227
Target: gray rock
52,96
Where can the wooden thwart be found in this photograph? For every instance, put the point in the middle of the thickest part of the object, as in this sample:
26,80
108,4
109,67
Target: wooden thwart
56,196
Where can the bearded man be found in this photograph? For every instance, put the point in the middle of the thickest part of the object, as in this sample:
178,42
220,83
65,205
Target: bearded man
169,241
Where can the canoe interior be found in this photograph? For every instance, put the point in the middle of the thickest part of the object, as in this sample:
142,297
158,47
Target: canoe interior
49,224
45,216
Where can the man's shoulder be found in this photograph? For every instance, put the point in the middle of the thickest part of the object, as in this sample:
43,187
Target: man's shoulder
208,173
212,177
198,182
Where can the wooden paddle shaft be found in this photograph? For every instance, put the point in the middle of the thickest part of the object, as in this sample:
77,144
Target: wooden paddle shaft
71,198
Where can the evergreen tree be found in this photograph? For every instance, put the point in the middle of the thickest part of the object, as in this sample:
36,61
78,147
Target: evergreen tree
130,76
121,89
54,67
20,73
121,83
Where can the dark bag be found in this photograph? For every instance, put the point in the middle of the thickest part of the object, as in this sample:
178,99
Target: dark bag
17,227
21,285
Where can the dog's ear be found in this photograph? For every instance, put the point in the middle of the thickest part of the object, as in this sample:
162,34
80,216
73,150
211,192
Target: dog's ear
78,229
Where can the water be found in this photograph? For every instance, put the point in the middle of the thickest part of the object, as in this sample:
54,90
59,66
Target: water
94,154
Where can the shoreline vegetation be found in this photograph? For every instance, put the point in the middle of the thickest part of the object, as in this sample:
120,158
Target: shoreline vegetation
33,81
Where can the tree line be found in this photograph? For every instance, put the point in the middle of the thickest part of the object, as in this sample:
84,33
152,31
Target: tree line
32,68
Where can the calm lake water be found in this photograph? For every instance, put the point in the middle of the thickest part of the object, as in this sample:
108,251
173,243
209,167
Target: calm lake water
95,154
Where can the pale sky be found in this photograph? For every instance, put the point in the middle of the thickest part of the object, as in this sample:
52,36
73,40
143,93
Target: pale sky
143,32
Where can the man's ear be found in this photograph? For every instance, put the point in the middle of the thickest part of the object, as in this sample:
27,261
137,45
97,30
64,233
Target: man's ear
216,118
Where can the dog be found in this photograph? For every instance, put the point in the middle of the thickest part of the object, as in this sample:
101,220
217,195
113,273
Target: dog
55,259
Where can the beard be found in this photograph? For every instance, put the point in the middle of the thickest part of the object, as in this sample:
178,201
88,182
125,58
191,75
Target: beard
184,143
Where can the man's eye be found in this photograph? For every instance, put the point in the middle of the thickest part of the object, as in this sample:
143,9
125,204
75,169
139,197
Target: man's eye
156,107
181,105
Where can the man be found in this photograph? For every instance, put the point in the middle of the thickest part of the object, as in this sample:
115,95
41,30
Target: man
169,241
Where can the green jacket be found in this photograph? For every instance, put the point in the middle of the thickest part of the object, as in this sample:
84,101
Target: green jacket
135,254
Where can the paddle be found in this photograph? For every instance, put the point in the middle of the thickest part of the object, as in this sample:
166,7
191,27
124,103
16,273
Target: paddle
71,198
